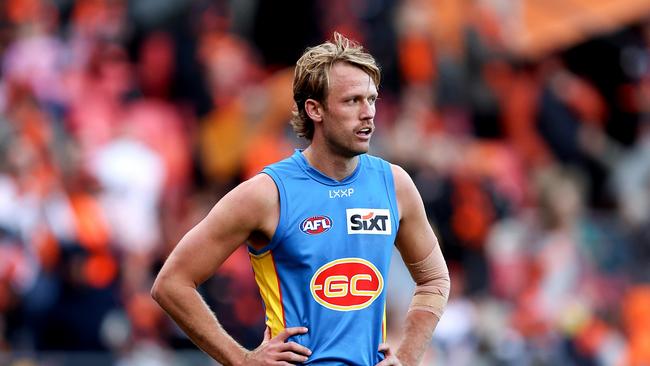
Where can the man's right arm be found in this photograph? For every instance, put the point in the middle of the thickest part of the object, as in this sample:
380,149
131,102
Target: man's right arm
252,206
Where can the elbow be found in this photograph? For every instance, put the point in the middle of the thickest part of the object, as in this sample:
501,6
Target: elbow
160,289
169,287
156,291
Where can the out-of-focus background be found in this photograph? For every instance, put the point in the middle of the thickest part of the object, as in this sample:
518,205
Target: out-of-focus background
524,123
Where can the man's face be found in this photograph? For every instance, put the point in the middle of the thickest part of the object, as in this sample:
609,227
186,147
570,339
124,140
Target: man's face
349,110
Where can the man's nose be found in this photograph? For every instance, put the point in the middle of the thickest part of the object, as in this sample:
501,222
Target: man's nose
367,110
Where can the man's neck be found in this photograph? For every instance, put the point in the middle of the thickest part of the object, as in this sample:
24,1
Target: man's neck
333,165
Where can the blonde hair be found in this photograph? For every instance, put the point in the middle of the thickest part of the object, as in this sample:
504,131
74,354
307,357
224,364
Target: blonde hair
311,76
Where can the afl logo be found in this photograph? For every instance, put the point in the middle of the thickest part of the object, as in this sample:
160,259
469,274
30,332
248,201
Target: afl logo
346,284
316,225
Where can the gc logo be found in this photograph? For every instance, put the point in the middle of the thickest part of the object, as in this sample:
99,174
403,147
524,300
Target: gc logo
346,284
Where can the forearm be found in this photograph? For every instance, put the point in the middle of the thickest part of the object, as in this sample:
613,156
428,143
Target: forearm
427,306
185,306
418,330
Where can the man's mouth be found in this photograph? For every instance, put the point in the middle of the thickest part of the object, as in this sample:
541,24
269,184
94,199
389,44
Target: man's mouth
364,132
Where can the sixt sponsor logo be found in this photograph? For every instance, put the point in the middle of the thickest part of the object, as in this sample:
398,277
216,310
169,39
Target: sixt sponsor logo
368,221
346,284
316,225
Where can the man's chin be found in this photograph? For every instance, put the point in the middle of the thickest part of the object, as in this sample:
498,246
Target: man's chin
359,150
351,151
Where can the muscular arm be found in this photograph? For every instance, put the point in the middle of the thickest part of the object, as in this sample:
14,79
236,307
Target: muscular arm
419,248
201,251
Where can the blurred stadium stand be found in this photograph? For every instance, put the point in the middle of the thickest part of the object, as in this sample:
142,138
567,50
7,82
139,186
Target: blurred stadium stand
525,124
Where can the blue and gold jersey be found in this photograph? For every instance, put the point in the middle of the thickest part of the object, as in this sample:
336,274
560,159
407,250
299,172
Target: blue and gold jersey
325,267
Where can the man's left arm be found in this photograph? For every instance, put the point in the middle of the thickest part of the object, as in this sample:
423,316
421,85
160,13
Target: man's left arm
421,253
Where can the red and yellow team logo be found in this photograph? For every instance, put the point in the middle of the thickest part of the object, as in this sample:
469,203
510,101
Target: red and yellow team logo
346,284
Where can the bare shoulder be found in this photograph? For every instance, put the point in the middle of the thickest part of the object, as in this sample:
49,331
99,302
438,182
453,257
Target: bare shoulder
401,177
415,237
407,193
258,190
254,200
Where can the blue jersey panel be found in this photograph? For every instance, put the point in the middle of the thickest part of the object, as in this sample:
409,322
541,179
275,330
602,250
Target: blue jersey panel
330,257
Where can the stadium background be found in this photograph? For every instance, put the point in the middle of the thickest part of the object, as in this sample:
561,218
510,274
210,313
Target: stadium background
523,122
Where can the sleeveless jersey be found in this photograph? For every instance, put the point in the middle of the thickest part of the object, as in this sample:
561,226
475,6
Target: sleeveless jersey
326,264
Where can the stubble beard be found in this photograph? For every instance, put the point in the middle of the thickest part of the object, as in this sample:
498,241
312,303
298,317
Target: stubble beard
337,145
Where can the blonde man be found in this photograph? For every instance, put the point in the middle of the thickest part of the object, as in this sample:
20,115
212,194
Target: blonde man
320,227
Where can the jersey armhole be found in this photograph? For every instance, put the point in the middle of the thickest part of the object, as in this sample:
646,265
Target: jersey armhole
392,195
280,231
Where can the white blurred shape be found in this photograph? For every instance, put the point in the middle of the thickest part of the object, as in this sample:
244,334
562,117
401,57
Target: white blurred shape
132,176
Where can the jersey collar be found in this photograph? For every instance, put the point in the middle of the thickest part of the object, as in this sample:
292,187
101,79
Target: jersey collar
300,159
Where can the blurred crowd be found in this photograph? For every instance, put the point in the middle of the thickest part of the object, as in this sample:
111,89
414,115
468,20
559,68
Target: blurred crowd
122,123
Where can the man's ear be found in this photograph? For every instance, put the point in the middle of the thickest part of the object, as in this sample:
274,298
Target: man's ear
314,110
